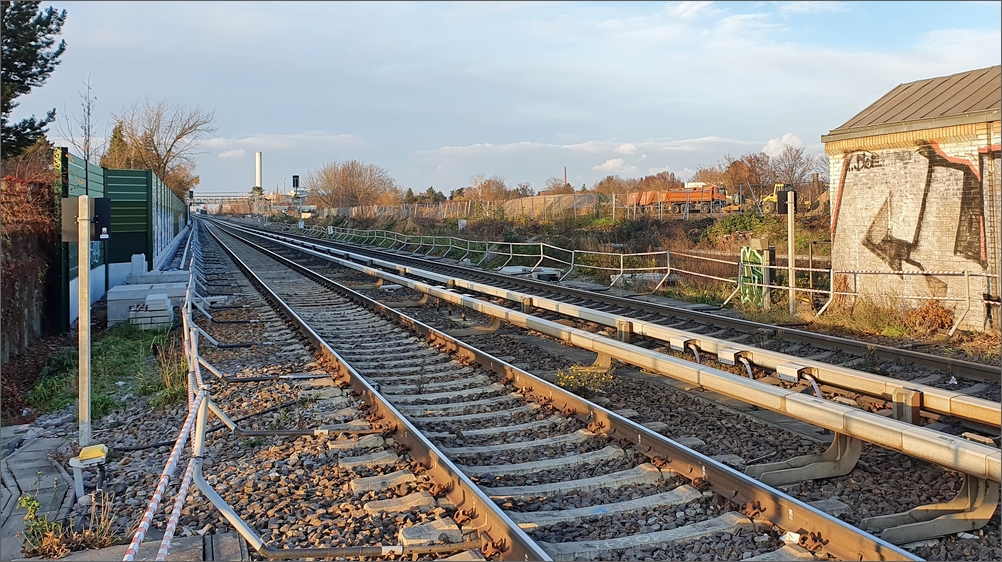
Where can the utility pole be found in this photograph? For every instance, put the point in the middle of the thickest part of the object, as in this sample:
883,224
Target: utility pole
791,212
565,175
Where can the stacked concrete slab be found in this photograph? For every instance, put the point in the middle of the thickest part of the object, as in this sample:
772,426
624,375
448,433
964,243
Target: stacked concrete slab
156,312
140,284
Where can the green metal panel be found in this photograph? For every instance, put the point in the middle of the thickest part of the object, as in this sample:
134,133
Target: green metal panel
59,166
126,244
151,199
129,210
96,181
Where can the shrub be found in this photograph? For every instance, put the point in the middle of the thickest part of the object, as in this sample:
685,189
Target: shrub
928,319
757,224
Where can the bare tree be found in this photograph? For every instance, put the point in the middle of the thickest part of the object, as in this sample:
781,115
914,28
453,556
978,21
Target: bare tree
81,131
487,192
164,137
556,186
822,167
661,181
714,174
793,165
351,183
615,185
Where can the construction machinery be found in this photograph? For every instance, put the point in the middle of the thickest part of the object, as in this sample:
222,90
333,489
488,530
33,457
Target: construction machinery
771,202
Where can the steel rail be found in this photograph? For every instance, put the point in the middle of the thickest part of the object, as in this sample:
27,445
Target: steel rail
957,367
971,458
841,539
492,523
906,395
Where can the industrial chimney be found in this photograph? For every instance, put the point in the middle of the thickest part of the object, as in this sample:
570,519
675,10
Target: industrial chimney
257,169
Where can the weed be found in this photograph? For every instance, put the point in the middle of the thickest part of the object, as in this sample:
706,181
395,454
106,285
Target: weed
42,537
758,225
585,381
869,363
985,346
101,405
775,315
252,442
165,381
100,530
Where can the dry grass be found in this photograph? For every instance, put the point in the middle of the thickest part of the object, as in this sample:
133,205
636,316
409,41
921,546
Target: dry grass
984,348
870,316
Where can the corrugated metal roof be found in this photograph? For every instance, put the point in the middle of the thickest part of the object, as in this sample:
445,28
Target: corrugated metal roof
958,94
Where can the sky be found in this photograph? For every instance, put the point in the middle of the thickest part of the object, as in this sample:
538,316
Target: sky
438,92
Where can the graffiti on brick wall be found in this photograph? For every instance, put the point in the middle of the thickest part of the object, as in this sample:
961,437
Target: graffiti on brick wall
911,190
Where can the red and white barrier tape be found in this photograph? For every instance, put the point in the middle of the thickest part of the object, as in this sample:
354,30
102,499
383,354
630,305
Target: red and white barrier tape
704,258
175,515
876,271
165,476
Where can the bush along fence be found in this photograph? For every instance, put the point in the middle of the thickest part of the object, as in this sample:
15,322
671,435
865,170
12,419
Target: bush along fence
753,280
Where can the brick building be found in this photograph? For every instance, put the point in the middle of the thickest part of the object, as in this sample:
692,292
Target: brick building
917,189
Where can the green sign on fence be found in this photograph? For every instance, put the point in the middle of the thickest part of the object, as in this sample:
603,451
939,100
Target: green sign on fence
753,276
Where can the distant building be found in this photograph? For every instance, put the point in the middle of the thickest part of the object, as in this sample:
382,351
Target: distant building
916,187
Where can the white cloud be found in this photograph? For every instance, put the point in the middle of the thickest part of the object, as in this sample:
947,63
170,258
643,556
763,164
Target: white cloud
643,157
589,147
688,11
615,165
775,146
628,148
653,171
233,154
262,142
813,7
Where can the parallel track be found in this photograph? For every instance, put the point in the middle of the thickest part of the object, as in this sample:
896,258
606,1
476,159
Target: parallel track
666,314
972,408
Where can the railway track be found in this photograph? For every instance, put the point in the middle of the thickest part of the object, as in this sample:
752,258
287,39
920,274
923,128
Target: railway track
321,465
879,427
534,448
938,393
804,343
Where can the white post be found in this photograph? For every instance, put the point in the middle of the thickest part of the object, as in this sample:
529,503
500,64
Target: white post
83,320
791,212
257,169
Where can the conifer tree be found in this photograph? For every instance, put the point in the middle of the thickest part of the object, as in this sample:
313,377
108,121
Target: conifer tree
29,54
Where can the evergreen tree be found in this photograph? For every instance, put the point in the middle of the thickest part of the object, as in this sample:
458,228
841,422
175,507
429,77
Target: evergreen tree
117,157
409,196
28,59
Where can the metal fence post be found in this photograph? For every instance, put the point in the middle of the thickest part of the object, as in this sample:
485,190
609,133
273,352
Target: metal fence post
967,279
83,316
574,254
